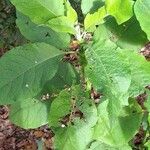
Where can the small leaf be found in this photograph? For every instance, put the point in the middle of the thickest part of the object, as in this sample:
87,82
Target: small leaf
60,107
142,13
25,70
29,113
120,9
89,111
95,18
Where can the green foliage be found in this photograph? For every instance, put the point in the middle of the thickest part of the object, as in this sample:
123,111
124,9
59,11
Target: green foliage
40,11
128,35
95,19
74,137
120,9
60,107
84,90
117,134
142,13
99,145
36,33
29,113
32,65
90,5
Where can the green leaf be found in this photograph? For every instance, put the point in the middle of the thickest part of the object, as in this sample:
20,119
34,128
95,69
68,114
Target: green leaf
140,72
65,77
147,145
95,18
128,35
118,133
97,145
89,111
60,107
25,70
120,70
106,67
29,113
120,9
74,137
108,72
61,24
71,13
91,5
147,102
36,33
142,13
40,11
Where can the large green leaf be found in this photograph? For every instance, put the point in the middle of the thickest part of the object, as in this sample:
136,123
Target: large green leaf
24,71
97,145
120,9
36,33
74,137
91,5
118,68
108,72
106,67
29,113
123,128
128,35
40,11
142,13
